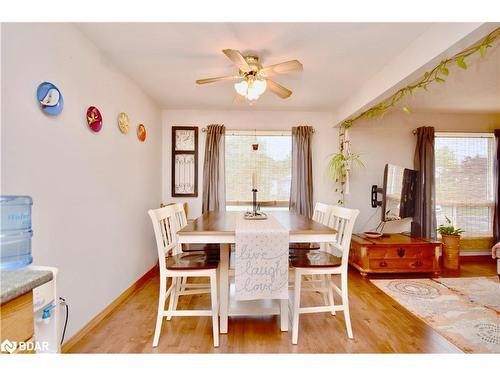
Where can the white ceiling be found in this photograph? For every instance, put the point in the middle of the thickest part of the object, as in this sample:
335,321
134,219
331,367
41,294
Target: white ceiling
165,59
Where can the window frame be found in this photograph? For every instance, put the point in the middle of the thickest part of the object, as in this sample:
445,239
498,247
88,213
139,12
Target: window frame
469,241
259,132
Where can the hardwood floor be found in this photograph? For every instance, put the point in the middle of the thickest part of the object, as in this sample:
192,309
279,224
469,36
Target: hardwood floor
380,325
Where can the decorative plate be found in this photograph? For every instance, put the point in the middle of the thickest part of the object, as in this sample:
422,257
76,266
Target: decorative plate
123,122
50,98
94,119
141,132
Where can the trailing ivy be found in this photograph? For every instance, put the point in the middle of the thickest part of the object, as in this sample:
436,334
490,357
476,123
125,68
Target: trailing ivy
340,163
437,74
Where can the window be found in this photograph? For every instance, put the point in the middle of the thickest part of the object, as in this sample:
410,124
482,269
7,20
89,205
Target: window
271,164
464,181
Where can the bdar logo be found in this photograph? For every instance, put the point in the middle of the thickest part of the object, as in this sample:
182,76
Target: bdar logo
8,346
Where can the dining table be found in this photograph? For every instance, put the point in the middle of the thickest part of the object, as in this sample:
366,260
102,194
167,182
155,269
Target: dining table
219,227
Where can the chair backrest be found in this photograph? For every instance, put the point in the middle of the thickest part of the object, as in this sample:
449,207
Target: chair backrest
165,228
180,215
321,213
342,220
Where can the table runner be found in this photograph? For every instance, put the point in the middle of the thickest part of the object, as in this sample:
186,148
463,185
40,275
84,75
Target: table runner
261,259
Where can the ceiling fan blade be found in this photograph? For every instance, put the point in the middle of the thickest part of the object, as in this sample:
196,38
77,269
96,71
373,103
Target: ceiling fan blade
216,79
279,90
284,67
236,57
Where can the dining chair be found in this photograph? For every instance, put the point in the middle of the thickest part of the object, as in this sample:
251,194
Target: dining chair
214,249
179,265
326,263
321,214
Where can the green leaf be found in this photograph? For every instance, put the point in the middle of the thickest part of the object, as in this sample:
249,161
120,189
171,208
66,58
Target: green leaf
482,50
426,75
461,63
440,80
407,110
444,70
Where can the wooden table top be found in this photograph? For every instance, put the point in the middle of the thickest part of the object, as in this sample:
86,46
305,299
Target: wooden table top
223,223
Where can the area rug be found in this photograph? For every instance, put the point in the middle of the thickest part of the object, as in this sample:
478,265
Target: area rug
464,310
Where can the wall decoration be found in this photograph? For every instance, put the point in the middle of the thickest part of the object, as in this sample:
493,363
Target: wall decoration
94,119
184,140
123,122
50,98
184,161
141,132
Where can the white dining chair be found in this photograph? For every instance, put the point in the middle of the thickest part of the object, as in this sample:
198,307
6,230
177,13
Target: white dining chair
326,263
321,214
179,265
184,284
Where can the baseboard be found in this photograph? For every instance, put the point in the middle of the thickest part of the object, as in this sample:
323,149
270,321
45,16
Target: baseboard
109,309
475,253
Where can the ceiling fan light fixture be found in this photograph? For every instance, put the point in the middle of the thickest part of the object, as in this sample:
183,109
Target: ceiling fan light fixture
241,87
252,95
251,89
259,86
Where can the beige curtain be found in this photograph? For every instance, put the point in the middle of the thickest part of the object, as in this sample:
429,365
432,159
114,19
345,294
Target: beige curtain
424,221
214,194
301,191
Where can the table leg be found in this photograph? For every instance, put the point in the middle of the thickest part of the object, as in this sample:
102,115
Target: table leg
224,286
284,315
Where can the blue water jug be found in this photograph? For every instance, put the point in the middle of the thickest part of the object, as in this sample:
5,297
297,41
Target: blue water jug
15,231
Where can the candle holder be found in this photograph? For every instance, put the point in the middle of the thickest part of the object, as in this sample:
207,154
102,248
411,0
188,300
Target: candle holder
254,201
255,214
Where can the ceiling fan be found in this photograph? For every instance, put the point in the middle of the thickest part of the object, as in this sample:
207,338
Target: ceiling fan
253,77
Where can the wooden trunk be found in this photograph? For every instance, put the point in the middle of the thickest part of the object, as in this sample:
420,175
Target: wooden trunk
394,253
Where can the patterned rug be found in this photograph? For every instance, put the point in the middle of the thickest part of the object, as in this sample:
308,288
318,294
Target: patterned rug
464,310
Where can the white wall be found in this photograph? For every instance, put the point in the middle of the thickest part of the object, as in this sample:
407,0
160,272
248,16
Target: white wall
91,191
325,142
390,140
380,141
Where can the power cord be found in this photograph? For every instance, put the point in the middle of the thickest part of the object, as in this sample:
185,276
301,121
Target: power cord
63,301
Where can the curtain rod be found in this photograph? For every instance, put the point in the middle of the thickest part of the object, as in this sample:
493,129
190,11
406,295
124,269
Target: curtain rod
204,130
486,133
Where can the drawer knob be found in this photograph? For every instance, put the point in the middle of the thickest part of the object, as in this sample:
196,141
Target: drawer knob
383,264
418,263
401,252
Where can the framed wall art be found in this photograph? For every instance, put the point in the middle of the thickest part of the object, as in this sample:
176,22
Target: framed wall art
184,161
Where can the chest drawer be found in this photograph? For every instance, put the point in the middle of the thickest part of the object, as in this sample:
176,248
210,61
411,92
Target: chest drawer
404,264
399,252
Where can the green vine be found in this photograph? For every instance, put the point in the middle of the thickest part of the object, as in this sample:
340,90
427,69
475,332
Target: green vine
341,163
435,75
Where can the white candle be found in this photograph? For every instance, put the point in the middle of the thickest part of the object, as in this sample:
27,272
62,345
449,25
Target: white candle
253,180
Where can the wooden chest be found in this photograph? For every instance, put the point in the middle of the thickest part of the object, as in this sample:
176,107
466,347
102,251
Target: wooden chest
394,253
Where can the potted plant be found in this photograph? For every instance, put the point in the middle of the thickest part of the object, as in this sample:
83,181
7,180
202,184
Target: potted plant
450,237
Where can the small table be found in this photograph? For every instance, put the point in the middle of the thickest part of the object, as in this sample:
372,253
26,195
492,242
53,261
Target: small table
219,227
394,253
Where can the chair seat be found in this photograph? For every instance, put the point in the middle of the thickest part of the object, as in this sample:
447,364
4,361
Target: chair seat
190,247
314,259
193,261
306,245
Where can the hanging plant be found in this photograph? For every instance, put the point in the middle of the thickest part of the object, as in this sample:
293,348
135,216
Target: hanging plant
341,164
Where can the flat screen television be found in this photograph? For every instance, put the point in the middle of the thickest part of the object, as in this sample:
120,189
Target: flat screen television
399,193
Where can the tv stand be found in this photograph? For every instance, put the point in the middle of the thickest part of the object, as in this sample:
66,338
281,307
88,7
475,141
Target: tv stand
394,253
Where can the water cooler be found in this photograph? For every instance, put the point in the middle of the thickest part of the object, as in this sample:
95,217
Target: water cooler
46,314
